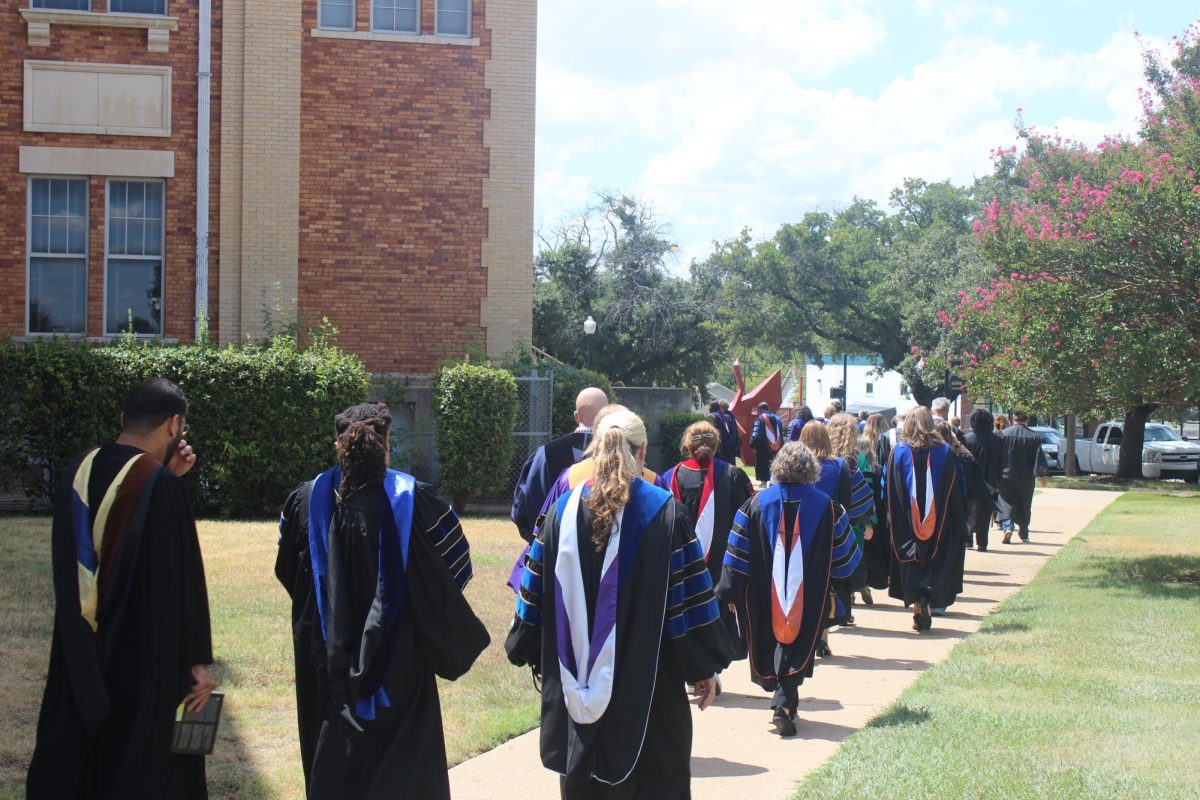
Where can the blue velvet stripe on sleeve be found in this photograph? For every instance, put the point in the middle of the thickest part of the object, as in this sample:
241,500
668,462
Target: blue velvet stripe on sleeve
691,603
862,501
846,554
737,550
530,596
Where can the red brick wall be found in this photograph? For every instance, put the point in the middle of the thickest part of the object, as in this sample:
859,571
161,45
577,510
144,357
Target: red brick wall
391,192
117,46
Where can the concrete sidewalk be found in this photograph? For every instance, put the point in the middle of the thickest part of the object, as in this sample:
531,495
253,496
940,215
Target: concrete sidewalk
735,754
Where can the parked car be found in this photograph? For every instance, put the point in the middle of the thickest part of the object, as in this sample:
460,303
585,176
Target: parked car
1054,445
1164,454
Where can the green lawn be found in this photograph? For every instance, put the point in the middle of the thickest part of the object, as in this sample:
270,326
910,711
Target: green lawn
258,755
1086,684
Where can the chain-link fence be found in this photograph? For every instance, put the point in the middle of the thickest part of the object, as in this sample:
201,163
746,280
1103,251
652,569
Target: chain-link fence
534,425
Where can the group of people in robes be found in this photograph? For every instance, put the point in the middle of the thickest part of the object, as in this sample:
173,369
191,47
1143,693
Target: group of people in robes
634,590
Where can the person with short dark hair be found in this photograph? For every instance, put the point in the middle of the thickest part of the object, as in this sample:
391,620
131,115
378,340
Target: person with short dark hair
375,565
988,448
1023,460
727,429
766,438
132,639
732,444
803,416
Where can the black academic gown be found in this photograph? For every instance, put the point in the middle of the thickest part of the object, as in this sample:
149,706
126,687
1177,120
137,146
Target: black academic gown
641,746
402,752
877,551
106,721
538,474
930,568
731,490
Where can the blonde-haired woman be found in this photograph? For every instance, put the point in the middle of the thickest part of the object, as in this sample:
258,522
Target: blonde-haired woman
712,491
615,614
788,542
844,440
925,506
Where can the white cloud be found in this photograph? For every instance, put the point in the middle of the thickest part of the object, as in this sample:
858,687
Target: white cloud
740,118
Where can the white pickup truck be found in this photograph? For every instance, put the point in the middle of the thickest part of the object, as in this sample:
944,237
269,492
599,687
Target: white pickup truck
1164,454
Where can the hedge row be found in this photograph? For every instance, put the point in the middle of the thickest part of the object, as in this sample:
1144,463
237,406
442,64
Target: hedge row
476,410
670,432
260,416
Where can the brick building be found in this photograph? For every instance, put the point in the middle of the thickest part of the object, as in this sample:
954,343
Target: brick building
369,161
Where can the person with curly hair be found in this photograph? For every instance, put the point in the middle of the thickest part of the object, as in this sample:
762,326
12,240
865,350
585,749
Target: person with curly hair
616,614
788,543
375,564
928,521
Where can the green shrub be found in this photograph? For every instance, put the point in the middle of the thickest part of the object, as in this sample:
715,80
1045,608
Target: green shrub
476,411
568,383
260,416
670,431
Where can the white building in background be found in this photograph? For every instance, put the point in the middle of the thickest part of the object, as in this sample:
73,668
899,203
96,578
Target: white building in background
868,388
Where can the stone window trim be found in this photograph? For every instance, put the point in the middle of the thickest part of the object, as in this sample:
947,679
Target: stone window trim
163,73
394,38
158,28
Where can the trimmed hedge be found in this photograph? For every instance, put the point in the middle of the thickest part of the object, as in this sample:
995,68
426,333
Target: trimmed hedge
568,383
476,411
670,431
260,416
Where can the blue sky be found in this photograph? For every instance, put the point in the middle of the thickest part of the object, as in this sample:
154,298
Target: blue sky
724,115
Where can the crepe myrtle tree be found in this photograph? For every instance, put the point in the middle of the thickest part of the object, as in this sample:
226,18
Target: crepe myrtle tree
1096,308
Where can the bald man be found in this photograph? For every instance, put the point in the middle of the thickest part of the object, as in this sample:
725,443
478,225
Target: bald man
542,469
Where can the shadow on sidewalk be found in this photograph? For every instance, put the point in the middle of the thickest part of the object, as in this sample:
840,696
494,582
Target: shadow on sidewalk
754,702
872,664
720,768
880,633
1008,584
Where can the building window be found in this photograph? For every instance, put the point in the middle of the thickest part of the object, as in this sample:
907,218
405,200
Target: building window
453,18
137,6
133,258
870,388
335,15
64,5
396,16
57,255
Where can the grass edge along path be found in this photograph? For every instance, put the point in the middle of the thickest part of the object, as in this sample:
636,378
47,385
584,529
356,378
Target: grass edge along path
1085,684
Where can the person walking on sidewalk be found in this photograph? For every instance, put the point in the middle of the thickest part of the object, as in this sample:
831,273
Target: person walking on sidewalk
1023,459
788,543
988,449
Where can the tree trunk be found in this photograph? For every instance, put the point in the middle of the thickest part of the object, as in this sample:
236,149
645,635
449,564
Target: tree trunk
1133,435
1070,455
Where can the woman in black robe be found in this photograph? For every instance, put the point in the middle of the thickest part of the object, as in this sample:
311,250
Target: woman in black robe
375,565
925,506
877,550
616,614
988,450
712,491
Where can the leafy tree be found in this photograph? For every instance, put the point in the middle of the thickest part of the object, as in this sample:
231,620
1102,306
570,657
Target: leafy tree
610,263
1099,309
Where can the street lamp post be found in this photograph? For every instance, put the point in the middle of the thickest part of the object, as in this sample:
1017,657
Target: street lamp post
589,328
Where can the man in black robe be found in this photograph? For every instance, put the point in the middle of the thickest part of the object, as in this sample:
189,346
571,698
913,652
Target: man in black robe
1023,459
734,450
541,470
988,450
376,581
131,627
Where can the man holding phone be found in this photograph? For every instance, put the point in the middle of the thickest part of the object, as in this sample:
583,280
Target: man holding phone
132,637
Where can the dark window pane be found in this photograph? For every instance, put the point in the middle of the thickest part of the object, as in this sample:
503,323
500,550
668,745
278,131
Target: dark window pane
40,196
136,194
454,5
58,198
154,200
77,235
138,6
385,19
57,295
116,199
134,288
452,23
336,15
77,192
58,235
39,240
133,238
116,236
63,5
406,21
153,236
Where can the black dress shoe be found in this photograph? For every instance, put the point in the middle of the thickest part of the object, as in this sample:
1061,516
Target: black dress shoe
823,650
785,725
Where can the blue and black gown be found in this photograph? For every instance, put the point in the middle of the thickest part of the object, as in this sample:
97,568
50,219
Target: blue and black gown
842,481
130,621
787,545
377,612
928,524
615,636
712,493
538,474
